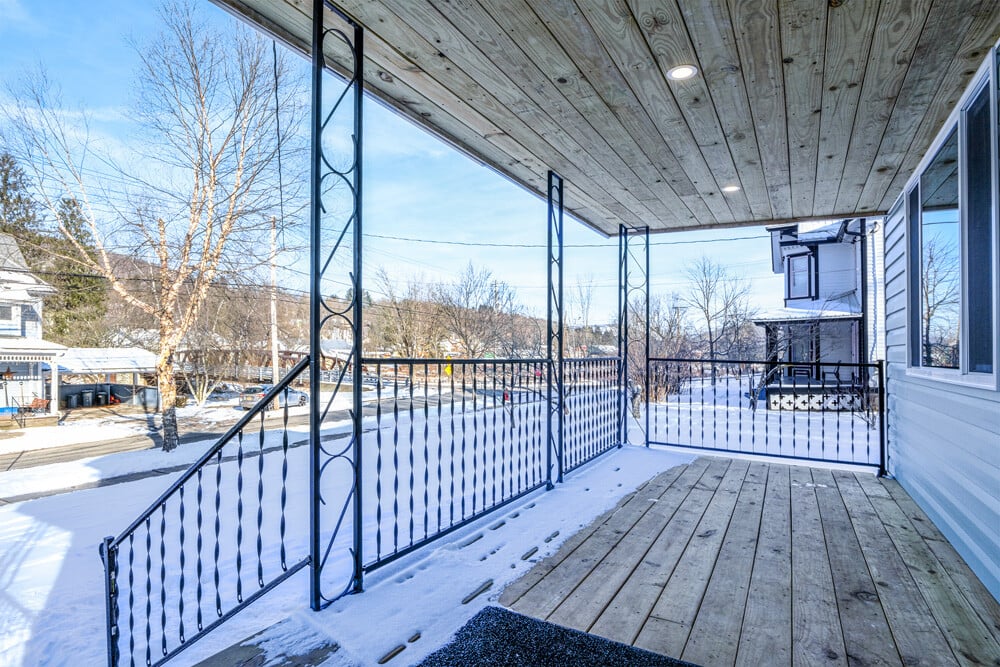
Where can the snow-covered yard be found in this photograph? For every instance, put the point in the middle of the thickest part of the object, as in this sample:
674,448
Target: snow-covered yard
51,590
834,425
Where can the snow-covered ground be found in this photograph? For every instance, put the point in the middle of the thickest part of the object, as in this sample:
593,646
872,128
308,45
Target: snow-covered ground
719,416
51,589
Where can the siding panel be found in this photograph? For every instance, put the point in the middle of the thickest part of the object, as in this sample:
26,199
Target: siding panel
944,439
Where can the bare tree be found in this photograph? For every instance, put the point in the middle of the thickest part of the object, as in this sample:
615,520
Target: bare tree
405,322
578,332
477,311
939,300
720,302
206,99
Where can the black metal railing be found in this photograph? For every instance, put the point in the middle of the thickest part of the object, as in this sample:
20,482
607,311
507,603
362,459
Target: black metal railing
831,412
215,541
454,439
591,401
445,442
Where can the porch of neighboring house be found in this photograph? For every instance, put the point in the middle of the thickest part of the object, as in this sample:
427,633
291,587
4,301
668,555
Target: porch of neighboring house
25,390
725,561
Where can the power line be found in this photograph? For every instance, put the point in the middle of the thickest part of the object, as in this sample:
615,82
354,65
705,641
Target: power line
480,244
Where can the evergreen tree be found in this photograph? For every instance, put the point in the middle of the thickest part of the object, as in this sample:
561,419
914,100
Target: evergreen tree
19,214
74,315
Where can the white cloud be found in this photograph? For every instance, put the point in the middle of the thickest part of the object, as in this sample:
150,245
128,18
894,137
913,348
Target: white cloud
13,15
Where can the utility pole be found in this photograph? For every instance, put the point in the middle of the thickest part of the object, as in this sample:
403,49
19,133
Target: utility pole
275,371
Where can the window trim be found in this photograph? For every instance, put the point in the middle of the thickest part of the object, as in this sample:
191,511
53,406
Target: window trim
812,276
987,75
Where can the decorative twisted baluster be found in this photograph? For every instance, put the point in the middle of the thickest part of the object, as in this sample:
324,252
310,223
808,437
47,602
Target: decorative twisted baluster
239,512
180,592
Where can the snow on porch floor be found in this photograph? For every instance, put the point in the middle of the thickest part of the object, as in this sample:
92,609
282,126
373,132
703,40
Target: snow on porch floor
413,606
51,593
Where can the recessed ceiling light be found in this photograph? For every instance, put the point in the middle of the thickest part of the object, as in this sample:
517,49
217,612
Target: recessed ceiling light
731,188
682,72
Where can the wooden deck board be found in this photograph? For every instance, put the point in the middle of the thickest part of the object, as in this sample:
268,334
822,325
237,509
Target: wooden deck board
816,635
582,607
916,633
769,600
716,630
733,563
628,610
668,625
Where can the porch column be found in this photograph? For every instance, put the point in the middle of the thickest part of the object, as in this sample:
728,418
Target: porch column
633,346
555,323
54,387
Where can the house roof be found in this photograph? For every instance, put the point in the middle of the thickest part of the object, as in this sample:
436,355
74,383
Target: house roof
789,315
86,360
820,110
16,280
17,348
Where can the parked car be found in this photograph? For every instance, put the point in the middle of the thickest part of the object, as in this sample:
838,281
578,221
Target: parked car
251,396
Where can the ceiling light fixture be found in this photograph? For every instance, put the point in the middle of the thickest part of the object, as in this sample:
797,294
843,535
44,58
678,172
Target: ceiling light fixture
682,72
731,188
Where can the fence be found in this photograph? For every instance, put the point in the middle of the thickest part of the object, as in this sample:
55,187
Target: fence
210,545
445,442
831,412
453,440
592,409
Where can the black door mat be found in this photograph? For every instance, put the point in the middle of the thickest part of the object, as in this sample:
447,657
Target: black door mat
496,637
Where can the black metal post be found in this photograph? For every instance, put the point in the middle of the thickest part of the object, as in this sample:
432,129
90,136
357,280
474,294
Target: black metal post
359,80
556,350
315,298
625,289
109,556
645,389
622,333
863,333
882,411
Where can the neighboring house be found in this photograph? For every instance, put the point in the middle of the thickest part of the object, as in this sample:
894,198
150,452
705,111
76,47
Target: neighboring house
22,349
832,286
942,324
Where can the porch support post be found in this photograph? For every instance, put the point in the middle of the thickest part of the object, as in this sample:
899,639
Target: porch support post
54,387
315,298
633,308
359,82
324,260
555,326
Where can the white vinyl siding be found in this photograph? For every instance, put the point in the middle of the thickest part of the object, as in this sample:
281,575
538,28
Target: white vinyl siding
943,433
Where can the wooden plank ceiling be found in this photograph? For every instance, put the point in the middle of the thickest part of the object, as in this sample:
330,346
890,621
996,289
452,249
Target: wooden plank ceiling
814,108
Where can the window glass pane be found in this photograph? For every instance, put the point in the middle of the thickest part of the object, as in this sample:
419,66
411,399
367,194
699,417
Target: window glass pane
798,269
940,272
979,209
913,243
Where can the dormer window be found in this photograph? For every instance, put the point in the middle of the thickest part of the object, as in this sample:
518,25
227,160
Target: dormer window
799,281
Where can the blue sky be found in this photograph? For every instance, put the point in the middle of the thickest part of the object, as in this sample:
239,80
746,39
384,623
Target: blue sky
416,187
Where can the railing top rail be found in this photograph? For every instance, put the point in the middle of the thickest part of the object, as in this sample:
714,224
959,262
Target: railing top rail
582,359
847,364
414,360
220,443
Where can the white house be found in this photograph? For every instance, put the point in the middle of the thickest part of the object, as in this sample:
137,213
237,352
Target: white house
942,321
832,288
22,349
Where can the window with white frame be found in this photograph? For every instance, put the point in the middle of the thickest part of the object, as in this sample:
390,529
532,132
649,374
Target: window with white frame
951,227
800,278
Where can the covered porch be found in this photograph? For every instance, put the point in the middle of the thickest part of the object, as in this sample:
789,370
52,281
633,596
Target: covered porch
704,116
726,561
